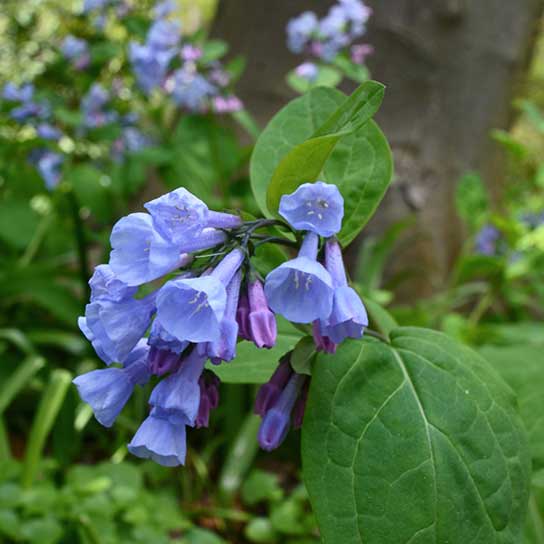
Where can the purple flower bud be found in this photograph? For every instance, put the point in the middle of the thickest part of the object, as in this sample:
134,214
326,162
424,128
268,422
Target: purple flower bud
262,322
300,406
316,207
190,52
162,340
322,343
242,317
270,391
209,398
162,361
360,52
277,420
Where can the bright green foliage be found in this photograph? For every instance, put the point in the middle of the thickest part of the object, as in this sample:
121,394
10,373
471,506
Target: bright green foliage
417,441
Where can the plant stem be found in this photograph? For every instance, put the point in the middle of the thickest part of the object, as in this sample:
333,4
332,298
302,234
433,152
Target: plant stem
5,450
81,245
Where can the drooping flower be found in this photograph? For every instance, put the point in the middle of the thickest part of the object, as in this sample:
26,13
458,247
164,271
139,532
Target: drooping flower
105,285
161,438
193,309
190,89
163,340
108,390
114,328
322,343
277,419
262,322
270,392
316,207
348,317
224,348
139,254
162,361
301,289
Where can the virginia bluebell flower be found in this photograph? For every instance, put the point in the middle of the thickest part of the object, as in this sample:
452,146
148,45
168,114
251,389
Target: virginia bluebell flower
193,309
487,240
360,52
163,35
30,111
150,66
49,165
108,390
76,50
163,361
161,438
308,71
226,104
270,392
105,285
190,89
300,31
14,93
277,419
161,339
301,289
242,316
92,107
348,318
322,343
48,132
115,327
164,9
96,5
316,207
224,348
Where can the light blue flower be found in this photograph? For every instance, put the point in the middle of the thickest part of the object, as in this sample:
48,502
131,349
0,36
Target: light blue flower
48,132
300,31
49,166
178,215
139,254
105,285
316,207
191,90
14,93
161,438
116,327
164,9
487,240
193,309
150,65
179,393
108,390
301,289
76,50
348,317
161,339
164,35
308,71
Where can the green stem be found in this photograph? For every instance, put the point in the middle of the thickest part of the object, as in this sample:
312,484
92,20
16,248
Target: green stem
48,409
481,308
81,244
5,450
35,243
24,373
239,458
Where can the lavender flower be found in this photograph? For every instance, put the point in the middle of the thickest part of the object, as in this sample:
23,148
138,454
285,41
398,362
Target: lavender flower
14,93
49,165
163,35
316,207
300,30
487,240
76,50
308,71
262,322
301,289
209,398
150,65
190,89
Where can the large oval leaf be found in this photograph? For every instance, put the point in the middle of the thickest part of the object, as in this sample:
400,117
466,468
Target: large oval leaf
413,442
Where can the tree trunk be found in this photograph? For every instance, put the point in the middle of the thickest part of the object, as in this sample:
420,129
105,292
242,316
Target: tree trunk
451,68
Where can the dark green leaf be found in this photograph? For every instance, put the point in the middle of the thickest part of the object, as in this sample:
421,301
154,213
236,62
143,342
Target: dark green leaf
414,442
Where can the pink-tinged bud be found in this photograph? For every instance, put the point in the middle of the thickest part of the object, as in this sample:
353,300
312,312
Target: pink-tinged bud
262,322
242,317
209,398
322,343
270,391
300,406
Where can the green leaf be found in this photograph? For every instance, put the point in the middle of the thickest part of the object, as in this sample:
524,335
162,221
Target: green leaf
253,365
323,134
303,356
16,381
522,367
415,442
18,223
380,318
213,50
261,486
326,77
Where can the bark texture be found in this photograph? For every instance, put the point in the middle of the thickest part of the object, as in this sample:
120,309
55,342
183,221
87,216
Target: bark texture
452,68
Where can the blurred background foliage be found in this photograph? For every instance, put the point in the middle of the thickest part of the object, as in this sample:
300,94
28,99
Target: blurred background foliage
65,479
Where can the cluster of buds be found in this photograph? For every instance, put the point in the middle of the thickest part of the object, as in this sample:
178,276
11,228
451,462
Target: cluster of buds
180,69
210,297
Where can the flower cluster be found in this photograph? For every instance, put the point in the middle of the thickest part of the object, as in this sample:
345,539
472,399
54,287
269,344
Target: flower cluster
180,69
76,50
26,109
205,304
324,39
